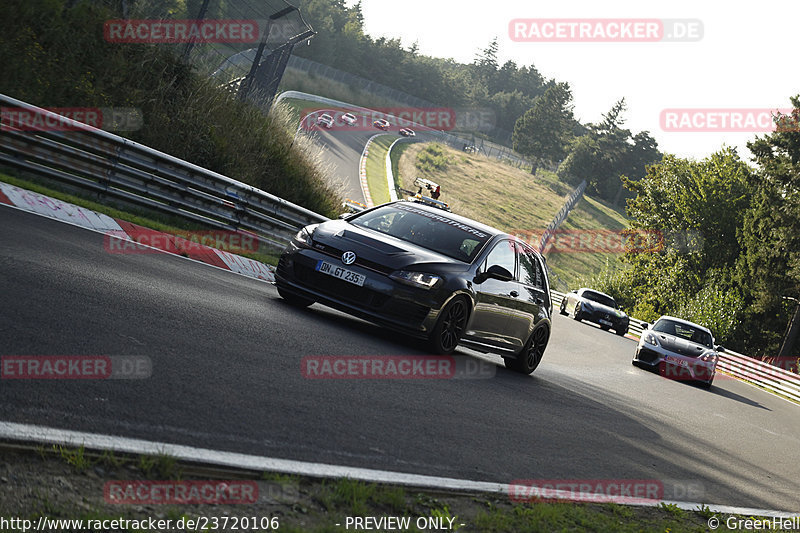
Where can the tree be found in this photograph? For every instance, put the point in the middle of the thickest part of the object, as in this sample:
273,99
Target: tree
545,130
770,263
606,152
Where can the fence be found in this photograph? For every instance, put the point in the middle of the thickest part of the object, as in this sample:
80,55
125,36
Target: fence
560,217
111,165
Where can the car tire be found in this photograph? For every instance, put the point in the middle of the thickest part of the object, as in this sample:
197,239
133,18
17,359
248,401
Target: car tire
449,327
577,313
531,354
293,299
563,308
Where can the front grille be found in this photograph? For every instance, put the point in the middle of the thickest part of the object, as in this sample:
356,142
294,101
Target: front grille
337,253
363,297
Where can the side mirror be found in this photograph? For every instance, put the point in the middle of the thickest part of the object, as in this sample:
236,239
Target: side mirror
645,326
496,272
719,348
574,291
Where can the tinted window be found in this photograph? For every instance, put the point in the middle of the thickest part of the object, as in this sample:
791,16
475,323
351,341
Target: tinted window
433,231
685,331
503,254
599,298
530,271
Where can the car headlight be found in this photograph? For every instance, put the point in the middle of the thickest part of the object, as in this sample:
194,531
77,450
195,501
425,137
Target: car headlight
416,279
709,356
650,339
304,235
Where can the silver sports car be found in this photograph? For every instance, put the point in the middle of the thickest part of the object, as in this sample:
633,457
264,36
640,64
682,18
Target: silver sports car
679,349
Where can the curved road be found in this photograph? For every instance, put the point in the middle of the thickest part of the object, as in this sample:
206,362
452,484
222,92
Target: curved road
226,354
343,146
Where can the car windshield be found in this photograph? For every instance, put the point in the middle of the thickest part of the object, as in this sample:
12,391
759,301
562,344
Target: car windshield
685,331
433,231
600,298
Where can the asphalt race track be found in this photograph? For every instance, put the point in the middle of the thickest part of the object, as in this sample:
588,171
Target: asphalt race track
343,148
226,354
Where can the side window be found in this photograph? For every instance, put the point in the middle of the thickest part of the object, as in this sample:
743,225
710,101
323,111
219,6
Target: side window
530,272
503,254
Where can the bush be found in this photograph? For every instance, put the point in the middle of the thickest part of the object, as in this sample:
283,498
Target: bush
432,158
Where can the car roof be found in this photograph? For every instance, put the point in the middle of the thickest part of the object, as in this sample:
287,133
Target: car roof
595,290
687,322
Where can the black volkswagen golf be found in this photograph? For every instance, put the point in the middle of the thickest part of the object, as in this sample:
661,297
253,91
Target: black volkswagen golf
428,273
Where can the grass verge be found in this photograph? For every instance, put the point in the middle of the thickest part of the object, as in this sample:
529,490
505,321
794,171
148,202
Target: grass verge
482,188
590,214
376,168
511,199
70,485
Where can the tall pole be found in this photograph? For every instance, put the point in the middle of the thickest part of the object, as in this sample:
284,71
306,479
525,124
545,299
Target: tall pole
200,16
792,330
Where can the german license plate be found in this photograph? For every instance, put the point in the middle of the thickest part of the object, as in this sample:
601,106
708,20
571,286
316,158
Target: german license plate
675,360
605,322
342,273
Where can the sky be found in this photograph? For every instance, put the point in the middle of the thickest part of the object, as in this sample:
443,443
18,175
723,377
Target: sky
744,60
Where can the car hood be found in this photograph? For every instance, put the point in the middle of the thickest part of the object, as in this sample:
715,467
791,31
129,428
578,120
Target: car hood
602,308
680,346
378,251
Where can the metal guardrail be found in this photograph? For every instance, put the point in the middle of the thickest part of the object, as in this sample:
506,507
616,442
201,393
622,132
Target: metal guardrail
737,365
105,163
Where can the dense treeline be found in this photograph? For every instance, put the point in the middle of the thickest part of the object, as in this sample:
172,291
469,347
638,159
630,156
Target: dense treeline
731,256
539,111
508,89
54,55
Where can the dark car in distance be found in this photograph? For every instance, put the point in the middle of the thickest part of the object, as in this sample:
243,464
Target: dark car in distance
595,306
427,273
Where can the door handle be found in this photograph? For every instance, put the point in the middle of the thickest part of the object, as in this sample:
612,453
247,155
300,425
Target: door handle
514,294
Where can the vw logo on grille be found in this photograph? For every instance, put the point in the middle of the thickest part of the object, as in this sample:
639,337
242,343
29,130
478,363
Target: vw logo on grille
348,258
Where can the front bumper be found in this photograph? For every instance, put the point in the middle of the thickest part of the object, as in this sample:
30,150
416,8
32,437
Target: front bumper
602,318
380,299
673,365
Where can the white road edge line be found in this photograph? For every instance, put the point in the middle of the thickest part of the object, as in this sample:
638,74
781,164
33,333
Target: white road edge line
45,435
